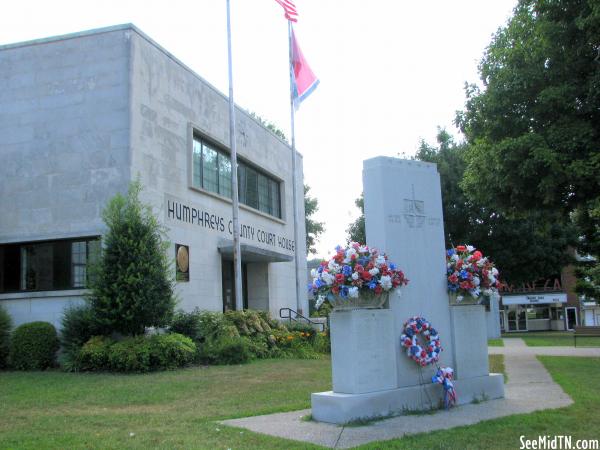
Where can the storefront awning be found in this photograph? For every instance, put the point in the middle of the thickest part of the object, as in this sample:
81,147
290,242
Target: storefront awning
251,253
534,299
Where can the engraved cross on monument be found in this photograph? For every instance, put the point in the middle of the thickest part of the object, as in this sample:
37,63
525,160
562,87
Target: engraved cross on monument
372,375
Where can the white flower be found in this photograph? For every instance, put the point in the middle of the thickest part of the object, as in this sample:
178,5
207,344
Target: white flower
482,262
327,278
459,298
380,260
475,292
319,302
333,266
487,292
351,251
455,257
363,249
353,292
476,281
355,276
492,278
494,271
386,282
374,271
470,248
313,273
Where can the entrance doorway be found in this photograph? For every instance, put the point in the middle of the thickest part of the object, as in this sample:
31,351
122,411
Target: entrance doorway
571,318
516,318
227,277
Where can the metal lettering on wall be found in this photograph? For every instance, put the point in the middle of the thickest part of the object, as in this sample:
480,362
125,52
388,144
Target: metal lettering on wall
414,214
176,210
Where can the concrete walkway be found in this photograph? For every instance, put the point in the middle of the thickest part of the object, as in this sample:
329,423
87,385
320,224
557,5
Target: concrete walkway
530,388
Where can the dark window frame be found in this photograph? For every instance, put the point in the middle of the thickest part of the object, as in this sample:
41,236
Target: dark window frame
273,208
67,267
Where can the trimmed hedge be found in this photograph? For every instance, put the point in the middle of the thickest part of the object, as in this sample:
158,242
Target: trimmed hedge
34,346
5,327
136,354
79,324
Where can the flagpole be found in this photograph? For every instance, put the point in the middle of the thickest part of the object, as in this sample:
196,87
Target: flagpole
237,261
294,188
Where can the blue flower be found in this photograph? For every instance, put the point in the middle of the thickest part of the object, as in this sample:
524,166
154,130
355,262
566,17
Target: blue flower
409,332
373,284
363,260
338,248
451,252
320,269
347,270
463,274
392,266
344,291
318,283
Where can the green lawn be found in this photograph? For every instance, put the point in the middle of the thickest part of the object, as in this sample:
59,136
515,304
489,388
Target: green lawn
497,365
553,338
495,343
178,409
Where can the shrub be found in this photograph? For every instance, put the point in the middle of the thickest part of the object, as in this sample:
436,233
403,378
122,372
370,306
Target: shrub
5,327
130,355
132,284
226,350
34,346
168,351
79,324
188,323
94,354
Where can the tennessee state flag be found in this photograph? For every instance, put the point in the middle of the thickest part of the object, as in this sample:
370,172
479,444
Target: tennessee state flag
304,80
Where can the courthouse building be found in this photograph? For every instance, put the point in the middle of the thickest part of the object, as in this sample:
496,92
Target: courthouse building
81,116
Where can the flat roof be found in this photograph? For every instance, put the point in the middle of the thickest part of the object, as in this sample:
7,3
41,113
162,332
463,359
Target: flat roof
132,27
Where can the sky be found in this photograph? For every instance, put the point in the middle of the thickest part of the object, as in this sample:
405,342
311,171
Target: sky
390,71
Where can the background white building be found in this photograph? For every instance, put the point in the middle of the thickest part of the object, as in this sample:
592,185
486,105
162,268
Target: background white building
83,115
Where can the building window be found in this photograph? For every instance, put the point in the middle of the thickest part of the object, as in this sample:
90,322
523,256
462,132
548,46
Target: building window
211,170
46,266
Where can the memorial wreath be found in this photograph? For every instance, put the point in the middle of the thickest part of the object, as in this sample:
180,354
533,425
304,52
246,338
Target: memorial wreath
428,354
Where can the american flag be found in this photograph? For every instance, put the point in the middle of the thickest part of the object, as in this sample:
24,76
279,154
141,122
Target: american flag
290,10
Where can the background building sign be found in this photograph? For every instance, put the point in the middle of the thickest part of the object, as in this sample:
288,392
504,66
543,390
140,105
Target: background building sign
535,299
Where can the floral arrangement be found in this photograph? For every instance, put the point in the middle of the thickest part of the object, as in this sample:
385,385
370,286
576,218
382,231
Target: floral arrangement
354,271
444,376
421,355
469,273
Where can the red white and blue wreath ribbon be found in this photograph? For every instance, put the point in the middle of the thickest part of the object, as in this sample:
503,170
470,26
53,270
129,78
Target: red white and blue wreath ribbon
444,377
428,354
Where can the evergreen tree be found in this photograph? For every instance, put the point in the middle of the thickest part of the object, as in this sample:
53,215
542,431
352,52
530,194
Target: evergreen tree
132,285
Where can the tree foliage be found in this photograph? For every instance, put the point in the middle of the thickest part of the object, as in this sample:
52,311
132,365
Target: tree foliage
534,128
524,248
356,230
132,284
313,228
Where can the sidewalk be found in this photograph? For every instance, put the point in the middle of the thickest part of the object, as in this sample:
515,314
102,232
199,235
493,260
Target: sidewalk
530,388
517,347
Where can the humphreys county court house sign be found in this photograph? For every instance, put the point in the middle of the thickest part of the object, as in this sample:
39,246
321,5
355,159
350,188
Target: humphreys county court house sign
179,211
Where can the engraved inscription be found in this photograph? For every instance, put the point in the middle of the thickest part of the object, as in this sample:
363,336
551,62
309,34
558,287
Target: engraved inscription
414,211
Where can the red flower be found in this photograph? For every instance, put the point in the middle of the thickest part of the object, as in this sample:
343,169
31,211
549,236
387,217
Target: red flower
378,289
477,255
366,275
335,289
339,278
461,248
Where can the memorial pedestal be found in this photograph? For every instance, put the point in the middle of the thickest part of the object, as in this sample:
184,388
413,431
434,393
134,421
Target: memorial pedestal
362,341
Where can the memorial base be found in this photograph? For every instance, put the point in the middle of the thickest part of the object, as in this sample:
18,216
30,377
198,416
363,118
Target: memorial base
341,409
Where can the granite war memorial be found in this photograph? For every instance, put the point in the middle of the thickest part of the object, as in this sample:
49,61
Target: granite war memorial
384,358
